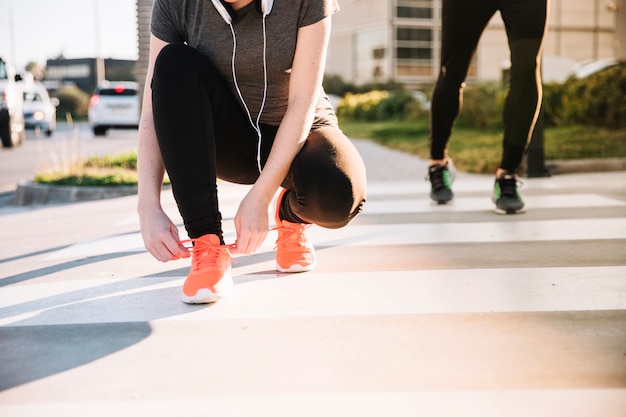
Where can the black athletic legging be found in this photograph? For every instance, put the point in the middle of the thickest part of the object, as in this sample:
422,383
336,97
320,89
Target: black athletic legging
463,22
204,134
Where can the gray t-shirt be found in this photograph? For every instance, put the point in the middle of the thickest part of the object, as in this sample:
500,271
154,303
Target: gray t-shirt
198,24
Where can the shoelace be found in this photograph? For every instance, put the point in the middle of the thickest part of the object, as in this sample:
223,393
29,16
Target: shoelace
437,177
202,252
508,186
288,238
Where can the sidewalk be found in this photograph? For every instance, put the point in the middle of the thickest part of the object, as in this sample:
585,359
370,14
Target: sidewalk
413,310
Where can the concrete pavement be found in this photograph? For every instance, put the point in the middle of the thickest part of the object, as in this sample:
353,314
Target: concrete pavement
414,309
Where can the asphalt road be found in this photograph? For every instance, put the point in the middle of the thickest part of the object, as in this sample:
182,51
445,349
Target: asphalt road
68,144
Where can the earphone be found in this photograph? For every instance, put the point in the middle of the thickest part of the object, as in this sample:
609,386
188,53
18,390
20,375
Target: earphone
264,7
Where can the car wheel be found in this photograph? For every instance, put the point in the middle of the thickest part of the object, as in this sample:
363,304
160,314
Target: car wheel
11,133
99,130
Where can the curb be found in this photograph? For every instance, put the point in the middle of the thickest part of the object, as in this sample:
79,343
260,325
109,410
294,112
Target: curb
586,165
29,193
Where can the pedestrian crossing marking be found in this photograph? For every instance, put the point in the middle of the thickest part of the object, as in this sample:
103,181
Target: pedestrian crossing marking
456,291
397,206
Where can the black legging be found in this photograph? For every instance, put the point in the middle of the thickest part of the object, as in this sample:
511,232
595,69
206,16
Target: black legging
463,22
204,134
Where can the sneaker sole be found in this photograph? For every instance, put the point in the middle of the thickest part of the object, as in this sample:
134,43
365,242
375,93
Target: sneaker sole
509,211
206,296
441,203
295,268
203,296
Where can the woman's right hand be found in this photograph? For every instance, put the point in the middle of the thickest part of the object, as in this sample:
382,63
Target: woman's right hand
160,236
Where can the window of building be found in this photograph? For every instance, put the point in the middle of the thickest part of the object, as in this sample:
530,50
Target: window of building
414,51
414,9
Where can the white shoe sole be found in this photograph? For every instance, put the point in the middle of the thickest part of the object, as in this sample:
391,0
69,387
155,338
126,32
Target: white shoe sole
223,289
295,268
510,211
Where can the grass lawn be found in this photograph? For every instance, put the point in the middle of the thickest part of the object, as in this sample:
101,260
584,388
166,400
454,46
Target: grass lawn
479,151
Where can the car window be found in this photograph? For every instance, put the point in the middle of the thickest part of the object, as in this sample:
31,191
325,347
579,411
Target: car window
3,71
31,96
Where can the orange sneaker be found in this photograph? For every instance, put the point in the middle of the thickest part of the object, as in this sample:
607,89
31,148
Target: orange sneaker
210,278
294,250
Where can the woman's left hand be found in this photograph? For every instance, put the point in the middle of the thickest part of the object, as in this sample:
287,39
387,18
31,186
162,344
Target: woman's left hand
251,224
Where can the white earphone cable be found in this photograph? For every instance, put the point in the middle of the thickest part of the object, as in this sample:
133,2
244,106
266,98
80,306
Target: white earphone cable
256,126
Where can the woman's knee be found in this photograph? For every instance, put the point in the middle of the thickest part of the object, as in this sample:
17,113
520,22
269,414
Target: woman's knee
175,62
336,174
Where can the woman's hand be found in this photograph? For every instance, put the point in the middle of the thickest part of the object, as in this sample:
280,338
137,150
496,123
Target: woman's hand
160,236
251,224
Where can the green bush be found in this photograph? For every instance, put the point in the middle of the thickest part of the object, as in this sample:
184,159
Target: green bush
482,106
597,100
554,101
379,105
72,100
125,161
335,84
399,105
361,106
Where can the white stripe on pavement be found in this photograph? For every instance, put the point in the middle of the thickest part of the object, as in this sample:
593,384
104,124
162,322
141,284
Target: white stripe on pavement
313,294
398,234
484,203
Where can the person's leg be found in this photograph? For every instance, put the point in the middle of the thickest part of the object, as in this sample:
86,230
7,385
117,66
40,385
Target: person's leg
326,184
463,22
525,22
195,112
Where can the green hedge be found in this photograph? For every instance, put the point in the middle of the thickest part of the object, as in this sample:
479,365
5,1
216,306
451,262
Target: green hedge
597,101
380,105
72,100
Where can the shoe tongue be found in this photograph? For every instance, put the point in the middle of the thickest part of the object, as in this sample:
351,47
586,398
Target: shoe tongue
212,240
290,225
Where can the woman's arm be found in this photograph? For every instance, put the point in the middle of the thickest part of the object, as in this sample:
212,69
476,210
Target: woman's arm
304,87
159,234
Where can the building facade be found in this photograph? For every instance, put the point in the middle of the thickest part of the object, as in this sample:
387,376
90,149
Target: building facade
379,40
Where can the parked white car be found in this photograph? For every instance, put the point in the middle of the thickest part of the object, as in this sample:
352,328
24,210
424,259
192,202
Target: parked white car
40,111
11,114
114,105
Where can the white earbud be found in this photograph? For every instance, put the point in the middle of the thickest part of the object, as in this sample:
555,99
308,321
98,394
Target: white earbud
222,11
266,6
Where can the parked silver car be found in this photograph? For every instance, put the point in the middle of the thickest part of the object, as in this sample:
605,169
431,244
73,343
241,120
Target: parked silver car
40,111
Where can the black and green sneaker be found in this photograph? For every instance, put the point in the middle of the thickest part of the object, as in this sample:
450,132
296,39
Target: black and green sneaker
505,195
441,177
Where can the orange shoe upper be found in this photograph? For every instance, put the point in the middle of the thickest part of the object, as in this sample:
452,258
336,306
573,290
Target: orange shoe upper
209,262
294,250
